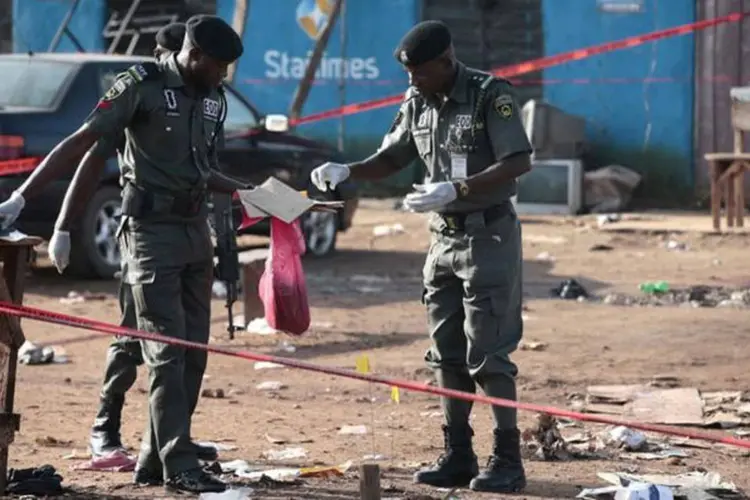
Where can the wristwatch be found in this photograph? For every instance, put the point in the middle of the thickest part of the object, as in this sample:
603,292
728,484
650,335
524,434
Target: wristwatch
463,189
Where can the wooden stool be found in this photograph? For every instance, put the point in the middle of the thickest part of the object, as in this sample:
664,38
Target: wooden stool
15,258
253,263
727,170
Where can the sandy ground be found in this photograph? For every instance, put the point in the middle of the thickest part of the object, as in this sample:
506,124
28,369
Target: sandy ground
586,343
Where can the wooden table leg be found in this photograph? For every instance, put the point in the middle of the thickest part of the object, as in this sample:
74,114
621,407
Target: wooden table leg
739,195
729,186
713,173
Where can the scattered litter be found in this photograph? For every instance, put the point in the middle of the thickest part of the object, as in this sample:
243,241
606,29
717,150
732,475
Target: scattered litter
75,455
287,347
213,393
266,365
609,188
270,385
51,442
679,406
545,257
699,480
633,491
285,454
32,354
676,245
219,290
229,494
116,461
656,455
353,429
276,440
242,469
387,230
601,248
654,287
544,442
43,481
569,290
627,439
74,297
602,220
217,446
374,458
260,326
533,346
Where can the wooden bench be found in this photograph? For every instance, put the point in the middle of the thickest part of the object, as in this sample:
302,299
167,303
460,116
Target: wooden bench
727,170
15,257
252,264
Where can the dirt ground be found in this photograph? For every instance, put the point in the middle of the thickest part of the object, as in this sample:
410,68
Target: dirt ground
354,314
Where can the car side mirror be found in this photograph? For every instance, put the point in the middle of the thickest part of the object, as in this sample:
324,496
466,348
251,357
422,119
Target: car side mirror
276,123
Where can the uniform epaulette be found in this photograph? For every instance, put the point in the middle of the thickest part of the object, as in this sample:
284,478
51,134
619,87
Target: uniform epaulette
143,72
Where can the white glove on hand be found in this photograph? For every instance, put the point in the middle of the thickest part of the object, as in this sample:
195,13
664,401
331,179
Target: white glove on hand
430,197
329,175
10,209
59,250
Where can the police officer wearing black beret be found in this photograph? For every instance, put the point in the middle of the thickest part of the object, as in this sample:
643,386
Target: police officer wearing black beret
464,125
172,112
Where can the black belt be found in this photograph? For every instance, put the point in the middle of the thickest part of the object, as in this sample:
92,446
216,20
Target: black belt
457,221
141,203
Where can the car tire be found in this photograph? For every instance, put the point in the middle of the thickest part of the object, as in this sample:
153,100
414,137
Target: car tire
320,230
95,252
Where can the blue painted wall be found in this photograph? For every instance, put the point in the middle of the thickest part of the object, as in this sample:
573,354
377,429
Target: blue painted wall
35,23
276,45
618,104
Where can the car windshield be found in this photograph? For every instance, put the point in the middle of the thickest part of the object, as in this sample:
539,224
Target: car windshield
32,83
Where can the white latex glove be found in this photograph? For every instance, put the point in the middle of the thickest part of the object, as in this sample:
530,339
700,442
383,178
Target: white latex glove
329,175
430,197
59,250
10,209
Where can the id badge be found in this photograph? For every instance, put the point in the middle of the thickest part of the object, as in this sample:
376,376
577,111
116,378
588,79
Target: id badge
458,167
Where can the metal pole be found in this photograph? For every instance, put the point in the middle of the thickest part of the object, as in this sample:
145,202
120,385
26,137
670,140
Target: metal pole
344,74
64,28
123,26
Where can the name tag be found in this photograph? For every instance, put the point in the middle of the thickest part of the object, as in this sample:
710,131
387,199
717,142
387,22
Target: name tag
211,109
459,170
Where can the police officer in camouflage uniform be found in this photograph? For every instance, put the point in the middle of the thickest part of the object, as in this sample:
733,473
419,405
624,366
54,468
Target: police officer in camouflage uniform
171,116
465,126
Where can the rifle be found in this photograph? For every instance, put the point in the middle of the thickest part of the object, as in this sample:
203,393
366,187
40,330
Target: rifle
228,267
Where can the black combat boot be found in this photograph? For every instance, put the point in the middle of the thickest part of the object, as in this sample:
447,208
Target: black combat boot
457,466
195,481
105,434
504,473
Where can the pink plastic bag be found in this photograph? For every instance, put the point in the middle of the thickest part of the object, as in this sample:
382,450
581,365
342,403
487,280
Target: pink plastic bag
282,286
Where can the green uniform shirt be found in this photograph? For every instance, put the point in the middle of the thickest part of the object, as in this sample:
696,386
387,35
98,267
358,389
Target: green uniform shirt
168,131
440,134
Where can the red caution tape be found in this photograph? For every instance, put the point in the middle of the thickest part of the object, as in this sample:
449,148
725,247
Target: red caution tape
109,329
538,64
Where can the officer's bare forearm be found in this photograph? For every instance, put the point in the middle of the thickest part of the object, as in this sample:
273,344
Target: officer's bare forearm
499,173
81,189
377,166
222,183
60,162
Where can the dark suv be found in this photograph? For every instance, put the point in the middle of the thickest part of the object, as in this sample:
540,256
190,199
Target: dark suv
45,97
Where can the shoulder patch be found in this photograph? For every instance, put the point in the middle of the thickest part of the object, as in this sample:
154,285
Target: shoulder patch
144,71
503,105
118,88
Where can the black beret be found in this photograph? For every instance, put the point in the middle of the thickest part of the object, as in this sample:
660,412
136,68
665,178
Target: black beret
171,36
424,42
214,37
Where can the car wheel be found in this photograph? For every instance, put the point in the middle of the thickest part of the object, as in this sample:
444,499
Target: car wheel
95,252
320,230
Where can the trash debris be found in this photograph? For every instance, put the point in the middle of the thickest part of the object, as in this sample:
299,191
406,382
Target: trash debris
229,494
633,491
387,230
42,481
260,326
32,354
115,461
569,290
287,347
266,365
545,442
627,439
213,393
353,429
74,297
601,248
52,442
676,245
654,287
610,188
678,406
533,346
270,385
545,257
285,454
693,480
605,219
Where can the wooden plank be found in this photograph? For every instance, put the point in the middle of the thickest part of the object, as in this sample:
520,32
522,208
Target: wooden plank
704,136
369,482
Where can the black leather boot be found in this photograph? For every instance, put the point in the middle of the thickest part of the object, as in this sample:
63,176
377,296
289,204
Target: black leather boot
457,466
105,434
504,473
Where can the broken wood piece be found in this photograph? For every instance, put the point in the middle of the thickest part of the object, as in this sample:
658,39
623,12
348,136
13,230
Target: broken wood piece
681,406
613,393
369,482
